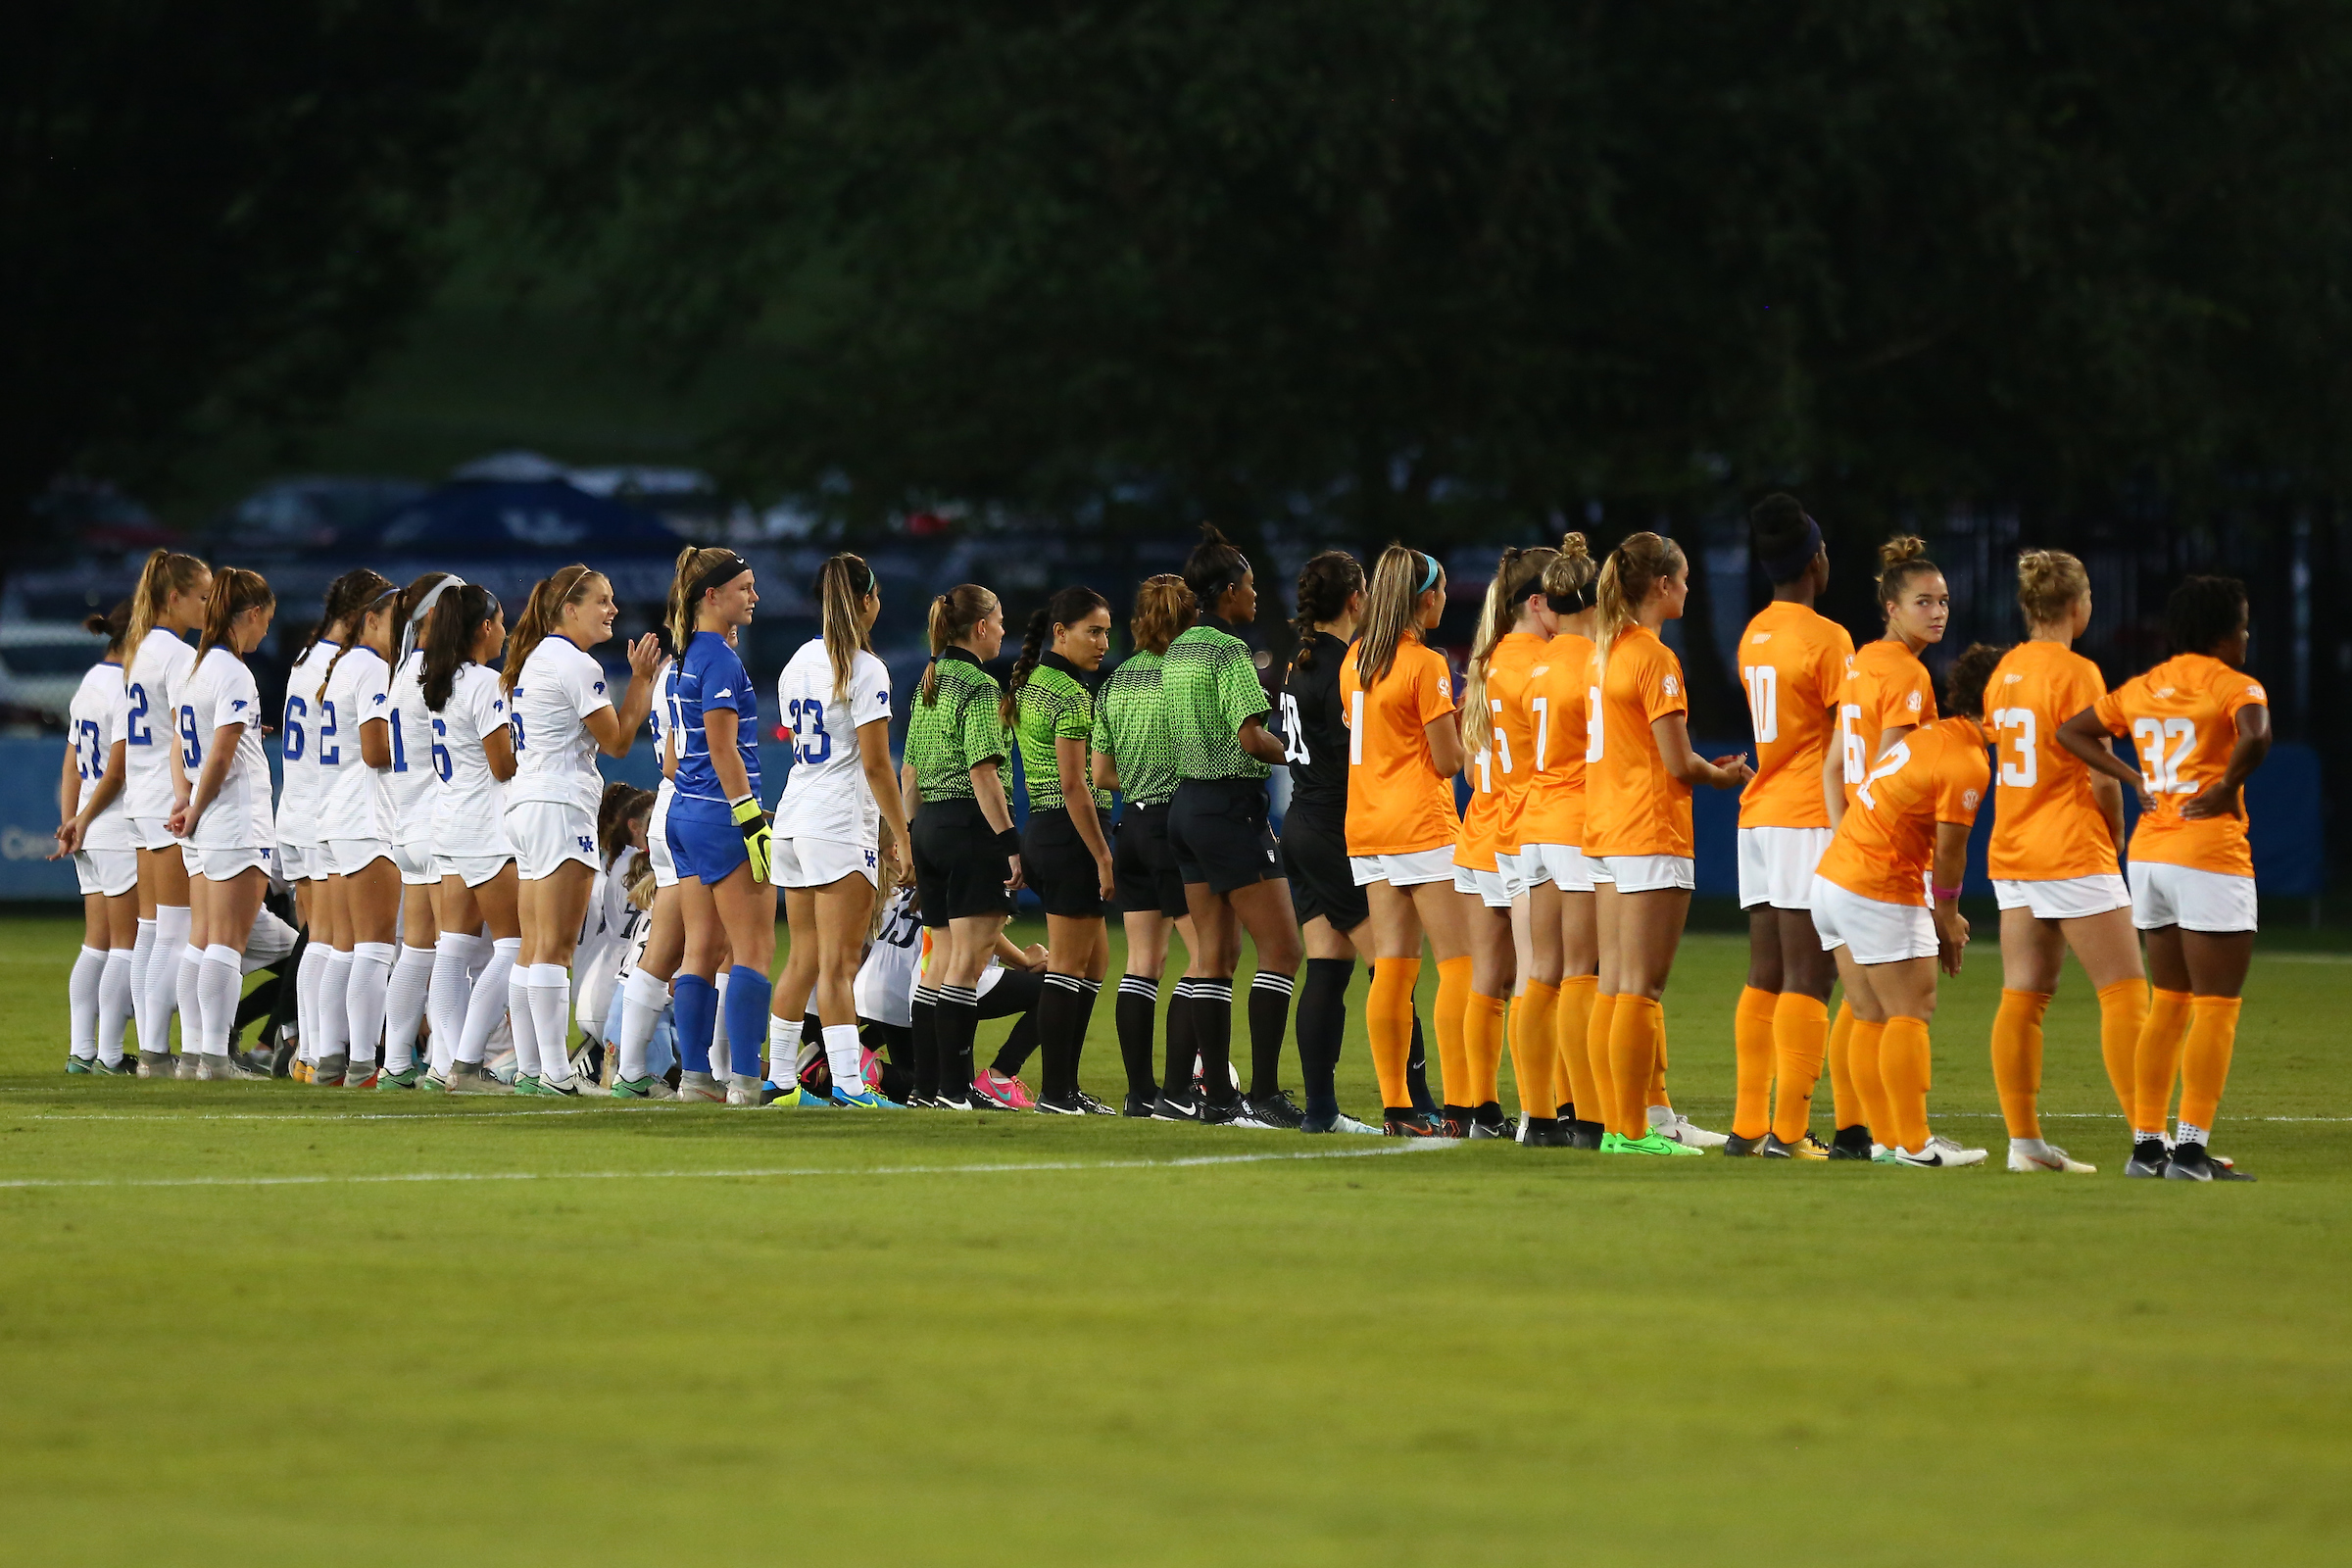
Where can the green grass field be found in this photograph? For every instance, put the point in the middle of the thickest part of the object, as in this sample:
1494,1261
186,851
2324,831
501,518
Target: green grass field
263,1324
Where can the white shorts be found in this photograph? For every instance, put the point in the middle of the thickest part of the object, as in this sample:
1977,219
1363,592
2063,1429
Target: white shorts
110,872
2070,897
1487,887
657,845
1874,932
218,865
547,833
2164,895
1402,870
1518,873
1564,866
1645,873
809,863
302,862
1776,866
351,857
416,862
472,869
149,833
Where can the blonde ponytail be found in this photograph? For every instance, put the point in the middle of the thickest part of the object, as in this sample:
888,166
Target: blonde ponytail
1627,578
841,586
167,572
1397,579
953,614
549,595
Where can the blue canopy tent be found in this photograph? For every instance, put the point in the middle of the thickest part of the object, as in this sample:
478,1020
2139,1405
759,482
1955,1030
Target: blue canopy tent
507,535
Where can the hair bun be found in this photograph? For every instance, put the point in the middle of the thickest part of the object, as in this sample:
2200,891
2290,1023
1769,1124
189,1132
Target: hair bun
1901,549
1574,547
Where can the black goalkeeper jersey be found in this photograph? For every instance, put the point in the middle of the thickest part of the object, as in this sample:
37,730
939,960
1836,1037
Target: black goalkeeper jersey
1314,737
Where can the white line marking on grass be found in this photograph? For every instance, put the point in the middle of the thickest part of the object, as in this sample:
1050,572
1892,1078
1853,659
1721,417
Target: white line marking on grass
2109,1116
991,1169
168,1114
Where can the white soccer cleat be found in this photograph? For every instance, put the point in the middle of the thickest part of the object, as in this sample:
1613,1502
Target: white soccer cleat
1941,1154
744,1092
1675,1127
700,1087
2029,1155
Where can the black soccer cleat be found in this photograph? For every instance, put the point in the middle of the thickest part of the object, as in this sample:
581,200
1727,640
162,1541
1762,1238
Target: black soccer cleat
1851,1142
1091,1106
1411,1123
1140,1106
1277,1110
1805,1148
1543,1132
2190,1164
1186,1109
2148,1158
1059,1106
1738,1148
1583,1134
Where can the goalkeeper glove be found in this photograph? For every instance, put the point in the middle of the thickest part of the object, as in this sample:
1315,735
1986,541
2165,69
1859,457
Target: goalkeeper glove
758,839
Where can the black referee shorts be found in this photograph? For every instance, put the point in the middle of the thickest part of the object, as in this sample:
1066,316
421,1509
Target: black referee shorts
1058,869
1314,857
959,871
1144,863
1218,829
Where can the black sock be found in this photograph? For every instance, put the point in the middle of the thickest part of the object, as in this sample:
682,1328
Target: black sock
1177,1084
1056,1014
1270,1019
1416,1071
1013,1054
1322,1025
959,1021
924,1044
1089,990
1212,1037
1134,1012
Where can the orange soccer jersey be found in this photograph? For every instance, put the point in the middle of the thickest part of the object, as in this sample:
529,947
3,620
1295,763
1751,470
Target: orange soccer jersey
1886,688
1887,841
1557,690
2046,824
1500,761
1632,805
1792,662
1396,803
2181,720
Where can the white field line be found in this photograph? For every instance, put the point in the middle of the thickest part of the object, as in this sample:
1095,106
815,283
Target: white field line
990,1169
168,1114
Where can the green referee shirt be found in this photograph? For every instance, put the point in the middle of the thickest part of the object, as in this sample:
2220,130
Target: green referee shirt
1210,687
949,736
1053,704
1131,728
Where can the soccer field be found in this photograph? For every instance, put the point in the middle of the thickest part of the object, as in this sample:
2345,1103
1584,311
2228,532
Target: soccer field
260,1324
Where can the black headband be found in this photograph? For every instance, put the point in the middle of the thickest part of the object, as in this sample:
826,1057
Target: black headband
1572,603
1791,565
725,571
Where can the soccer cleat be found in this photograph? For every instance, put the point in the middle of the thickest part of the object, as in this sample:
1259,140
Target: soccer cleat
79,1066
327,1072
974,1100
800,1097
1585,1134
472,1078
1165,1110
1059,1106
1655,1142
1138,1106
190,1066
1851,1142
2190,1164
526,1083
1414,1123
1672,1125
406,1078
865,1100
225,1068
1003,1090
1277,1110
564,1088
1941,1154
1234,1113
747,1092
2148,1157
1093,1106
1738,1148
2028,1156
1454,1121
434,1082
362,1075
299,1070
1543,1132
1340,1123
1504,1127
1805,1148
155,1065
648,1087
1609,1142
701,1089
115,1069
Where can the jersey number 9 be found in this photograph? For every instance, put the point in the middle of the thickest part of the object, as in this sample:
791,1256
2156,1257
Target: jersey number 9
191,752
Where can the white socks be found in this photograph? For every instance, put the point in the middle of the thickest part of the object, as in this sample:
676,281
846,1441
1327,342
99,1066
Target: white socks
191,1001
163,977
643,996
404,1006
370,979
519,1017
842,1054
550,989
783,1051
308,975
448,992
333,1016
82,997
491,1001
113,1004
220,986
140,953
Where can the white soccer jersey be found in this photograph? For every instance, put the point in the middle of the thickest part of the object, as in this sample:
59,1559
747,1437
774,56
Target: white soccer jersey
470,814
95,720
413,794
825,794
298,747
555,756
352,803
150,696
222,692
884,989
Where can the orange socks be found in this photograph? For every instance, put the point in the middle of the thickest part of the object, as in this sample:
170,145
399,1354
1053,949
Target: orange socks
1752,1047
1633,1057
1571,1028
2205,1065
1453,1001
1482,1048
1389,1022
2155,1061
1845,1101
2016,1058
1799,1024
1870,1093
1598,1034
1534,1050
2122,1014
1903,1066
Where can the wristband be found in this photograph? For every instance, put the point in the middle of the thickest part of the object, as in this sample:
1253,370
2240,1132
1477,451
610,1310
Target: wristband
1010,841
1946,892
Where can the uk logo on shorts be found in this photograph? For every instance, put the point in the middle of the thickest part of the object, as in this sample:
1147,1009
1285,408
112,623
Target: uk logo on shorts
586,847
871,860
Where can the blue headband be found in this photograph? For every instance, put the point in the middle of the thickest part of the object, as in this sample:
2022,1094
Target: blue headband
1789,567
1431,580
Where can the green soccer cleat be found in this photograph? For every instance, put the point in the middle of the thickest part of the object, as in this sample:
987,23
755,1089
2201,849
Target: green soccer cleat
1609,1143
800,1096
77,1066
406,1078
526,1083
1655,1143
646,1088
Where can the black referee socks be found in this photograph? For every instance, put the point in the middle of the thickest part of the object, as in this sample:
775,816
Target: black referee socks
1134,1012
1322,1025
1269,1018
